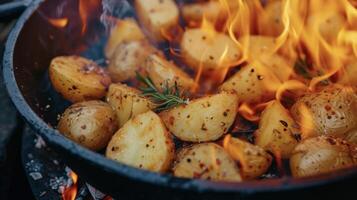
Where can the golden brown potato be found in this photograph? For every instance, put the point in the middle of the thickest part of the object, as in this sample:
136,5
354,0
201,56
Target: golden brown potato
332,111
208,49
206,161
78,79
329,26
164,73
352,137
277,132
90,124
128,58
203,119
259,45
157,16
349,75
321,155
270,22
125,30
194,13
254,160
277,64
253,83
127,102
143,142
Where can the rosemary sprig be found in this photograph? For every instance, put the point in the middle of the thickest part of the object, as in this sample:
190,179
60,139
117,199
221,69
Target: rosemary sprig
168,97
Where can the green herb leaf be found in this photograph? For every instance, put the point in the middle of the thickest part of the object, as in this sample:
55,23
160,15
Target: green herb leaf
166,98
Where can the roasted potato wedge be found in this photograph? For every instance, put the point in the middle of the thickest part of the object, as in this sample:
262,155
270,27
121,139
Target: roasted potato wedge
331,111
128,58
349,75
329,25
270,22
143,142
258,45
125,30
157,16
322,154
206,161
254,160
208,50
277,132
193,13
78,79
203,119
90,124
164,73
253,83
127,102
281,67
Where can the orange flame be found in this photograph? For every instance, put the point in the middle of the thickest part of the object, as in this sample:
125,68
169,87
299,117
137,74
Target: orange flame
86,7
70,192
59,23
306,122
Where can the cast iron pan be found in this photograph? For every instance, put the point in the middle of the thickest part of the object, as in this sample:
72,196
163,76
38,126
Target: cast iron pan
31,45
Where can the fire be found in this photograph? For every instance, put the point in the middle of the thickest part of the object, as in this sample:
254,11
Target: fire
86,7
70,192
306,122
248,112
59,23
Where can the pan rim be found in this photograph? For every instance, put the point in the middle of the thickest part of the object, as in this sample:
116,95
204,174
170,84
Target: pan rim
53,137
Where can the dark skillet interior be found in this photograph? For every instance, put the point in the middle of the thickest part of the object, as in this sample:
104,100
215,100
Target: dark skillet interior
30,47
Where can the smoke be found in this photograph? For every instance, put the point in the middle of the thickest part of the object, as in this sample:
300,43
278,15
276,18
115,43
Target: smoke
114,9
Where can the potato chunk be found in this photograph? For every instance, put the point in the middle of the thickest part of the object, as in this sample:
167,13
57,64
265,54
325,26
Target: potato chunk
78,79
127,102
209,50
258,45
270,21
321,155
89,123
253,83
254,160
203,119
349,75
128,58
206,161
331,111
157,16
277,131
125,30
194,13
163,72
143,142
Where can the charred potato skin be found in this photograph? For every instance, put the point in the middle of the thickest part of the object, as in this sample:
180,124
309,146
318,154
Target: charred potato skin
143,142
78,79
322,154
127,102
254,160
125,30
90,124
196,162
128,58
203,119
277,132
333,111
165,73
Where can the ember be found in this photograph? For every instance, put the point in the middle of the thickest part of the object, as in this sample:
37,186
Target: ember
70,192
